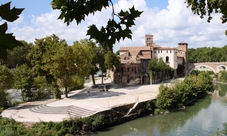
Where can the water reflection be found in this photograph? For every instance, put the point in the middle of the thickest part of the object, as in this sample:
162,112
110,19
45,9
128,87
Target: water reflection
201,119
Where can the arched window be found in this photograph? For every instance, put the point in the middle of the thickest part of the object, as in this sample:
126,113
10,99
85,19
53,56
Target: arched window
167,59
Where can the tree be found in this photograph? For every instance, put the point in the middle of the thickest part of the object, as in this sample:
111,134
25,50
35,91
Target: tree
95,58
159,69
7,40
6,81
18,56
83,59
63,68
41,58
111,60
106,36
101,59
207,7
23,80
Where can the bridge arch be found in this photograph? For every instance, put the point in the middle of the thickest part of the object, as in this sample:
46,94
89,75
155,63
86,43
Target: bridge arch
221,68
200,67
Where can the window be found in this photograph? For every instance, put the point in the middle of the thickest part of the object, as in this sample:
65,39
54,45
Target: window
167,59
166,51
148,39
122,69
170,51
154,51
128,69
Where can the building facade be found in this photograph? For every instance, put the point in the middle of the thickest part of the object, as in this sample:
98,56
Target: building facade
135,59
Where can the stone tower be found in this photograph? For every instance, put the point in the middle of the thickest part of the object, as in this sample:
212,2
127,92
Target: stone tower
149,40
183,48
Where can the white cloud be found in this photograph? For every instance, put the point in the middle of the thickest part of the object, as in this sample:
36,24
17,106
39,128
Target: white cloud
169,26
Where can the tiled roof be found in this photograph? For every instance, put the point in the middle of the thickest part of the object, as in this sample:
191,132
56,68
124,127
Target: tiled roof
134,50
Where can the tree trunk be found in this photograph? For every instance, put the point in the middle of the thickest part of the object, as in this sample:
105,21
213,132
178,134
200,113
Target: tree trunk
66,92
93,78
102,77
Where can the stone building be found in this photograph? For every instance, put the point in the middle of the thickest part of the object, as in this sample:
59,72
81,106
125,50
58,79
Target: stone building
135,59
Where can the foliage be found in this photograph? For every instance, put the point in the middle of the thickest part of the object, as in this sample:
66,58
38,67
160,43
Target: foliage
207,54
7,40
40,84
6,78
64,68
6,82
95,59
205,82
66,127
208,7
3,99
179,94
83,58
159,69
23,80
167,97
106,36
17,56
42,60
223,76
195,72
111,60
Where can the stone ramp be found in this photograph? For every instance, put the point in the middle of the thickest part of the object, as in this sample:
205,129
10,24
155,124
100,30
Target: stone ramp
72,111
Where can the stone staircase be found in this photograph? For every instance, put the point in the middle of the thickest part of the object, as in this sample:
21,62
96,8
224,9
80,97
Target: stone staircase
72,111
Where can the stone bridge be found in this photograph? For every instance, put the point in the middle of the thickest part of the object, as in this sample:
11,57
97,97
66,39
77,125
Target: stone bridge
216,67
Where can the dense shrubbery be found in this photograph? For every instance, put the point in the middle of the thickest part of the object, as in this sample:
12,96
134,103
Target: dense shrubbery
179,94
8,127
223,76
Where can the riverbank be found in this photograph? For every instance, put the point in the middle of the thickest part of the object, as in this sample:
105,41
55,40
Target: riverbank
80,104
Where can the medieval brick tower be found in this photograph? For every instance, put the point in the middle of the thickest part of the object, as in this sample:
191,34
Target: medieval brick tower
183,51
149,40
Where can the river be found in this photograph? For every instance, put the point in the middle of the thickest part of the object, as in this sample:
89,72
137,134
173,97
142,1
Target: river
200,119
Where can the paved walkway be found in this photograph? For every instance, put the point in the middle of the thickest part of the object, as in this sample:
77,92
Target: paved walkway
80,104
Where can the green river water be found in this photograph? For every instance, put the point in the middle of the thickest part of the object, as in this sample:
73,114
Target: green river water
200,119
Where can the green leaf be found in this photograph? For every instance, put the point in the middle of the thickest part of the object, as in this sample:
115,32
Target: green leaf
3,28
9,14
7,41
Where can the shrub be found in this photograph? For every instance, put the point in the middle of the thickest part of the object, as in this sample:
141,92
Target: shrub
180,93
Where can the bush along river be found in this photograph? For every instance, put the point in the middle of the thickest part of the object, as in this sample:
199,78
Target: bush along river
200,119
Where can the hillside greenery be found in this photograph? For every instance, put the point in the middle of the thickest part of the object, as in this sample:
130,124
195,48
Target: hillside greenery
207,54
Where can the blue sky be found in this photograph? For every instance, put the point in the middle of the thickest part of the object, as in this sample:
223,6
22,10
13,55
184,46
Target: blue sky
168,20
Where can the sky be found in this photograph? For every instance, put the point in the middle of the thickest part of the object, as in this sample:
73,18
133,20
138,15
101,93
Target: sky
170,21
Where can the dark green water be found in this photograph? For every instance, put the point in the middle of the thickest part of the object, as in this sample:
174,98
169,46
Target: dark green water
201,119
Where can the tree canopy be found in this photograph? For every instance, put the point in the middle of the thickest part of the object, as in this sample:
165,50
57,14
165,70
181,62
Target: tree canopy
207,54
